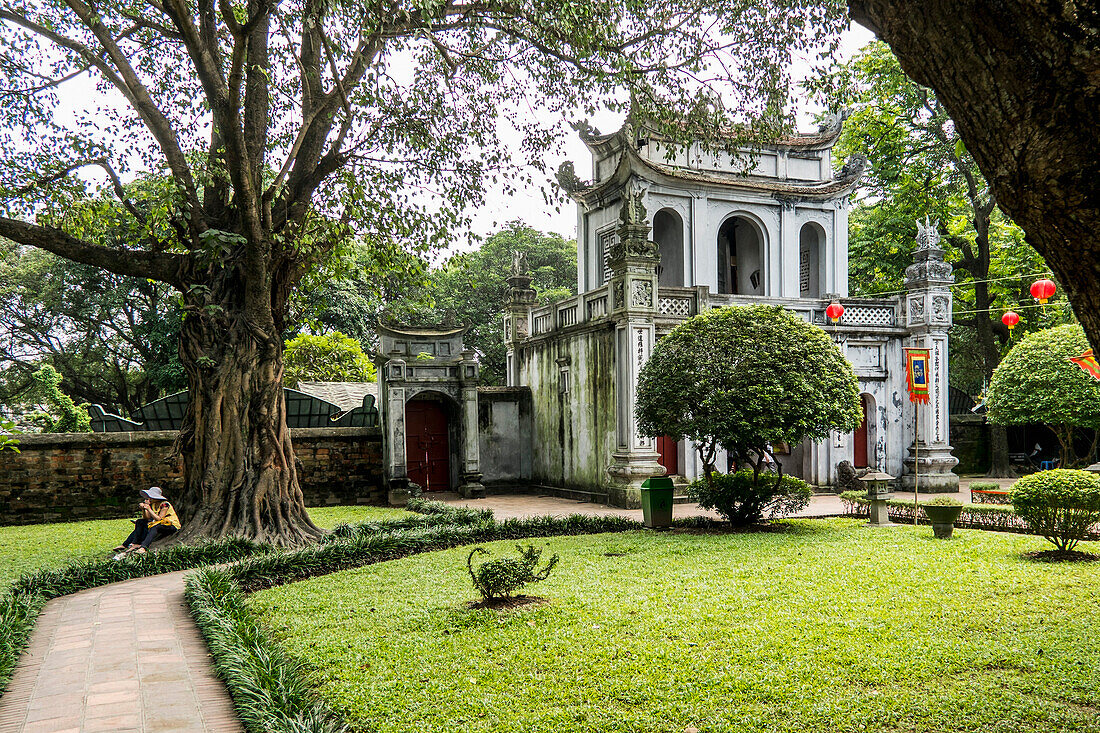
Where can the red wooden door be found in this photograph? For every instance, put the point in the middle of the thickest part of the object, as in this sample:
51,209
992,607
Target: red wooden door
668,455
859,460
427,450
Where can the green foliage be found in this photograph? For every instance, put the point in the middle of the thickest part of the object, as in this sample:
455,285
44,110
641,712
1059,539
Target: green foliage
1061,505
825,627
743,499
1037,383
471,288
743,378
428,506
984,486
18,613
918,167
65,416
113,339
943,501
271,691
330,357
8,433
500,578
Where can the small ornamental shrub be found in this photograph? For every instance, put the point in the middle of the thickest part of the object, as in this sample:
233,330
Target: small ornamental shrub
742,502
1061,505
985,486
500,578
944,501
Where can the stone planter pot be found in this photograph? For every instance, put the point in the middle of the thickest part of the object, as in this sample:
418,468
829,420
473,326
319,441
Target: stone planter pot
943,518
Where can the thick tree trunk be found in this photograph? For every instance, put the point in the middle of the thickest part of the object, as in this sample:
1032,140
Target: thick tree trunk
239,467
1021,80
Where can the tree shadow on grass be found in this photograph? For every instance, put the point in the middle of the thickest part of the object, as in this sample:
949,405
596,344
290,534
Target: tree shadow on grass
1061,556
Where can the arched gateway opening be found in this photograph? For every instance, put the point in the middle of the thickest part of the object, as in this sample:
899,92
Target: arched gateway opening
740,257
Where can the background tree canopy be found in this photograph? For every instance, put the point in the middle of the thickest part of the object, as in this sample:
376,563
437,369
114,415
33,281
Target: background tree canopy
470,289
1037,383
743,378
919,167
330,357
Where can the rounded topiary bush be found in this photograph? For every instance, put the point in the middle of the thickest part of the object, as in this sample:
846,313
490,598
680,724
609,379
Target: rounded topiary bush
1060,505
741,500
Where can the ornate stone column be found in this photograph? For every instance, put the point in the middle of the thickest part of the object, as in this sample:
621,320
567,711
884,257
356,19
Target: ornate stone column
633,263
471,486
928,319
517,319
391,378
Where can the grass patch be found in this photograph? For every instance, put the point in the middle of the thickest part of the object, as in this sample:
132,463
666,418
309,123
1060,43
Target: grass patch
26,548
830,626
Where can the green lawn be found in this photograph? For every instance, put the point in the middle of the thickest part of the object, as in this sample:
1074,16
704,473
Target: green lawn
829,627
34,546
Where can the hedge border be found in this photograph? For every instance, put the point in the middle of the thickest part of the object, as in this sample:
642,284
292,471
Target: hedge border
249,661
990,517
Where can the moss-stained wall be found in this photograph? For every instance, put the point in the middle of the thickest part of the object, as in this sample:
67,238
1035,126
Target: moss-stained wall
574,432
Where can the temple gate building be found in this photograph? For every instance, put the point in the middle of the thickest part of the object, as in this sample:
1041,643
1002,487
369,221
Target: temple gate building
666,232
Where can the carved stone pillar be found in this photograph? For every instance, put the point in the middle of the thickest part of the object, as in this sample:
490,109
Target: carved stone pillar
928,319
633,263
471,486
517,319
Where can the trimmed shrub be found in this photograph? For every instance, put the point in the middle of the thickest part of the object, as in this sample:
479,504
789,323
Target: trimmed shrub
741,502
500,578
985,486
943,501
1061,505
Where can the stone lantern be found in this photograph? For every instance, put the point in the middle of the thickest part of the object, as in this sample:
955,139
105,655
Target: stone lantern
878,492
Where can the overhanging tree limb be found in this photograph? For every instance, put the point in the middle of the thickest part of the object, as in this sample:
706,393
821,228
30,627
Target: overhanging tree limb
165,267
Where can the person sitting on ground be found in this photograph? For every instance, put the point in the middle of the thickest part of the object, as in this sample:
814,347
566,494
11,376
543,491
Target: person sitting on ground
158,521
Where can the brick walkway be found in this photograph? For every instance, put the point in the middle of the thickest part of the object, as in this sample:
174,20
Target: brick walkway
123,657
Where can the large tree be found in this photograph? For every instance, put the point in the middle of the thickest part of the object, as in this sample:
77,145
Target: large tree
288,127
1019,78
919,167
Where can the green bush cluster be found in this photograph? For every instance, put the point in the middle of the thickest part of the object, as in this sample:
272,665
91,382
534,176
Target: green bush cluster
1062,505
985,486
500,578
742,500
994,517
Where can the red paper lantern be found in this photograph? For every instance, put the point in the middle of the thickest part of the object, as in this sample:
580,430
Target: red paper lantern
1010,319
1042,290
834,311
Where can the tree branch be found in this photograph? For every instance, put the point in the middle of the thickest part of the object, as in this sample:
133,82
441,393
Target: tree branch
173,269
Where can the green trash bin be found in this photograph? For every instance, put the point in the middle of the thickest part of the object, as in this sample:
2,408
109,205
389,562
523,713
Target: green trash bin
657,502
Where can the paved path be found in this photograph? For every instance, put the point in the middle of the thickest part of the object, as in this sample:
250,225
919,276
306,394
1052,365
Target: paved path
123,657
509,506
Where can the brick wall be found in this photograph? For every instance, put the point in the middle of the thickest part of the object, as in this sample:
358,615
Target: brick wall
72,476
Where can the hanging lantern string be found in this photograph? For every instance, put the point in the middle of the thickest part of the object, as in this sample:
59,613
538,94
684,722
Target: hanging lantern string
1014,307
965,284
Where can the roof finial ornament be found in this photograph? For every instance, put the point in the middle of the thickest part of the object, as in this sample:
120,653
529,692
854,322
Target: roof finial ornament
519,263
633,209
928,233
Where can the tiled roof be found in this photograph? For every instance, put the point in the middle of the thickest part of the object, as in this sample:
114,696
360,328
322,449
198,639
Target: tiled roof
345,395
